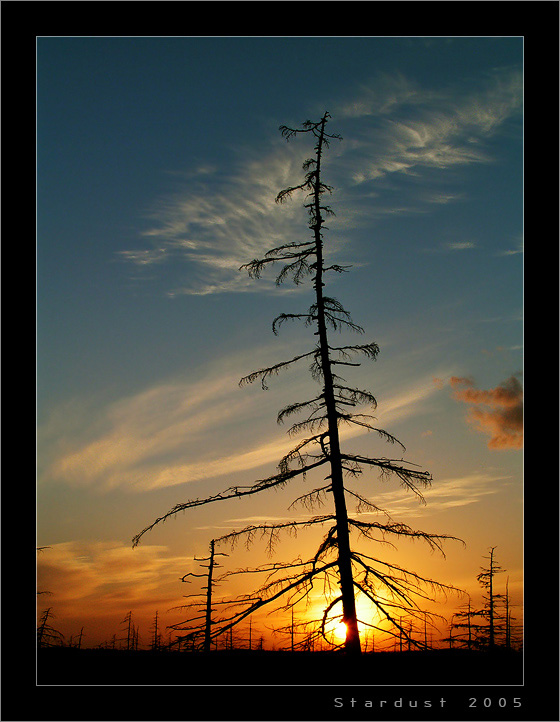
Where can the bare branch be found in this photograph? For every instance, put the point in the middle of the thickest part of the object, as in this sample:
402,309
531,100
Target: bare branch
231,493
270,530
408,477
272,370
402,530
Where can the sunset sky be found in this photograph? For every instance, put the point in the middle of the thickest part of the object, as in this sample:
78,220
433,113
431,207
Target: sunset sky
158,162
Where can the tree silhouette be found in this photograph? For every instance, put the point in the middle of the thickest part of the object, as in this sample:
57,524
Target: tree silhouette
156,638
47,635
469,631
489,612
512,636
345,571
40,549
204,628
131,632
80,636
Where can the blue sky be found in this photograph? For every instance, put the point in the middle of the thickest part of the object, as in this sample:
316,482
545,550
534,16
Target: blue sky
158,162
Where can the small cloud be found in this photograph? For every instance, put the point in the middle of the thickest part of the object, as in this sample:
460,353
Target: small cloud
443,198
497,412
145,257
460,246
451,247
512,251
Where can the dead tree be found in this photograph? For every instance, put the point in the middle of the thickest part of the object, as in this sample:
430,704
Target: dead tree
345,571
40,549
469,631
201,630
156,639
131,632
47,635
510,636
489,612
81,634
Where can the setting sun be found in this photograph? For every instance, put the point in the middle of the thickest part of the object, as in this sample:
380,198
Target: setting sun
335,628
339,632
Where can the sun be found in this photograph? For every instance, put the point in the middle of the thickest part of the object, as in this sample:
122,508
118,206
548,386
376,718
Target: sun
369,619
339,632
336,628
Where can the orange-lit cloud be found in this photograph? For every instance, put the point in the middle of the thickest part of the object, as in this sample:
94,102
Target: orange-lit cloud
497,412
94,584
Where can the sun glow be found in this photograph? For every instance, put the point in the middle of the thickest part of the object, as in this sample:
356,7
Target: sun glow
336,629
339,632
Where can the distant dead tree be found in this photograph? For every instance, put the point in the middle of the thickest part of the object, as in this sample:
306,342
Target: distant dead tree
131,633
450,639
512,630
490,609
345,571
156,638
78,644
40,549
80,636
47,635
468,630
204,627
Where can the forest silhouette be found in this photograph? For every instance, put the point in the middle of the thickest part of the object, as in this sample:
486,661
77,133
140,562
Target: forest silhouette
484,646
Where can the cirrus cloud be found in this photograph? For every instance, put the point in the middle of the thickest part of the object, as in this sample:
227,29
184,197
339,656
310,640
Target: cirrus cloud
183,431
392,128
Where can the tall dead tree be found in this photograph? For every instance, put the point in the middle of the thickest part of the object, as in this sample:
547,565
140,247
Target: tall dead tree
490,610
393,590
131,633
204,626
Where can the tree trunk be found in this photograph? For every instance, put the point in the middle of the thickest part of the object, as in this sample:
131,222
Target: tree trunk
352,644
208,626
491,633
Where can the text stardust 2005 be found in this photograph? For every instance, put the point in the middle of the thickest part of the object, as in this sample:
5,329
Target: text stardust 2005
470,702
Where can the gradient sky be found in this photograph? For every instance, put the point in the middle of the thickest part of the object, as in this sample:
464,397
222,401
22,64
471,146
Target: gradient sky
158,163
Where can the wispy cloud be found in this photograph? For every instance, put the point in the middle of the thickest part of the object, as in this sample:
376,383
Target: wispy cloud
442,495
92,585
429,129
514,251
180,432
215,224
452,247
393,129
387,93
109,575
144,441
460,245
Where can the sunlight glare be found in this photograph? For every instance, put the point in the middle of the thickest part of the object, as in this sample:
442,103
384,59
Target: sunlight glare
340,632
